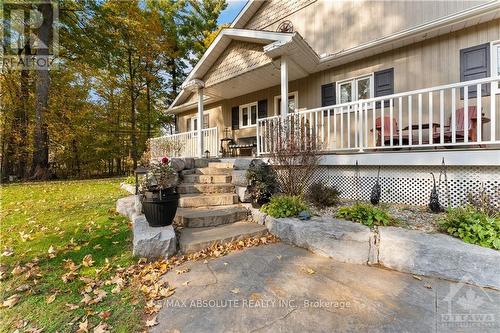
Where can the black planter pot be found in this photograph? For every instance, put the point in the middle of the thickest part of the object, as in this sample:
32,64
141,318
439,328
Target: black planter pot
160,209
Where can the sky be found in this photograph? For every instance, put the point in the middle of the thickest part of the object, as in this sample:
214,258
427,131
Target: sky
232,10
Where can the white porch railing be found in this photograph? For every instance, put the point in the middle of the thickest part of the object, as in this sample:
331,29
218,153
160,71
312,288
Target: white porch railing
448,115
185,144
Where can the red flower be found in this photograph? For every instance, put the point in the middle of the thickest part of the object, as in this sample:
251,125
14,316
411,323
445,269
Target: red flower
164,160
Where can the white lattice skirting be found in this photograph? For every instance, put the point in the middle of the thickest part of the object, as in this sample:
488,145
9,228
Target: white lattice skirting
411,184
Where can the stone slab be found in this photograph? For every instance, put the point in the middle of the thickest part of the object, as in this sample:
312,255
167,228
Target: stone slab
221,165
338,239
338,297
239,177
207,179
188,163
243,194
195,239
127,206
210,216
244,163
152,243
177,163
438,255
202,200
201,162
128,187
214,171
205,188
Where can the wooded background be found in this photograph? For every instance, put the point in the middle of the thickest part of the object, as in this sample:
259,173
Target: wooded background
121,63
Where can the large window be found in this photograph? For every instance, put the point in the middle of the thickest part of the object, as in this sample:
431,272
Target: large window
192,123
355,89
293,103
495,64
248,115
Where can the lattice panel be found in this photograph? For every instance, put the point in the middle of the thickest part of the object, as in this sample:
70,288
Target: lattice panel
411,185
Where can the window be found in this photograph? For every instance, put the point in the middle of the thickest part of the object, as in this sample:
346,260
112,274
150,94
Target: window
248,115
495,64
293,103
192,123
355,89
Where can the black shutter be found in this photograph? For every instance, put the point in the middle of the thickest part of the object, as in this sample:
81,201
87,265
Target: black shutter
383,84
475,64
328,95
235,117
262,107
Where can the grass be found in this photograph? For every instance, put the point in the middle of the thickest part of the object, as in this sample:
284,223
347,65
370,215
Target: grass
76,218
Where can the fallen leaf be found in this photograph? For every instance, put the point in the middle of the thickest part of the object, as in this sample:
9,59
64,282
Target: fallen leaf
23,287
83,327
104,315
101,328
309,271
7,252
51,250
18,270
185,283
86,299
417,277
428,286
182,271
235,290
51,298
279,257
87,260
97,247
72,306
151,322
11,301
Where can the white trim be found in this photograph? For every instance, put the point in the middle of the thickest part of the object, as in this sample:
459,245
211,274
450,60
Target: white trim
293,93
424,158
495,66
354,87
249,106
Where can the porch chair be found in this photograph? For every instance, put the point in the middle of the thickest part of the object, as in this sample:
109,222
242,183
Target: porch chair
459,126
387,133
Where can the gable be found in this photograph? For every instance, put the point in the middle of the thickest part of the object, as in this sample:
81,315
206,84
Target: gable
239,57
272,11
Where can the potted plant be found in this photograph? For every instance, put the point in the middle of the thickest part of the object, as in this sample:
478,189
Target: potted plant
262,183
160,198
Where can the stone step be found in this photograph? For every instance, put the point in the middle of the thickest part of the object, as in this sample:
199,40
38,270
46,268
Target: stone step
205,188
207,179
196,239
210,216
188,172
203,200
214,171
221,165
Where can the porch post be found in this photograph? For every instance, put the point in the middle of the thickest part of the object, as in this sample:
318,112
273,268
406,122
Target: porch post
200,122
284,87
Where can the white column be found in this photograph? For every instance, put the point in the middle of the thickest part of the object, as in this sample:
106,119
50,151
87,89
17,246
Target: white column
200,122
284,87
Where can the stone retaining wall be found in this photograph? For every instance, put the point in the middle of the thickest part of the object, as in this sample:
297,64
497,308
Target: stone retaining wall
410,251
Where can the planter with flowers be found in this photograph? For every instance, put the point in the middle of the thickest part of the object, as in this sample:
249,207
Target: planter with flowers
159,193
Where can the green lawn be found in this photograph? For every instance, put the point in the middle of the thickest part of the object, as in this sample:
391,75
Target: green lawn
44,224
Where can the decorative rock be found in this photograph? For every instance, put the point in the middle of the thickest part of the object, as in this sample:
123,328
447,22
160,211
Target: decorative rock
243,194
188,163
152,243
239,178
178,164
338,239
126,206
128,187
200,163
438,255
257,215
244,163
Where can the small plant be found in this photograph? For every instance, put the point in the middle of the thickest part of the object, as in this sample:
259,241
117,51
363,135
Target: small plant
472,226
262,182
130,180
160,177
366,214
285,206
321,195
484,202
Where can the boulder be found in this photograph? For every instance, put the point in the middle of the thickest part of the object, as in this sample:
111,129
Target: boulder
438,255
257,216
243,194
152,243
177,163
128,187
338,239
126,206
239,178
188,163
201,163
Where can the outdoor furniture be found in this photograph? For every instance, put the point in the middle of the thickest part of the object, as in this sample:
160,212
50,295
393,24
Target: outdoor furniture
244,146
387,133
224,146
459,125
425,126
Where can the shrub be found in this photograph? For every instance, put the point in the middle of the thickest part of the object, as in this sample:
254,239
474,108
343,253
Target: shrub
284,206
472,226
262,182
485,202
321,195
130,180
366,214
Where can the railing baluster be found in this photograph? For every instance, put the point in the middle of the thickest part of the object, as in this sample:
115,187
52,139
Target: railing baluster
400,111
479,113
431,120
374,129
356,129
410,121
367,130
328,128
391,126
342,128
334,129
382,124
441,116
419,119
492,110
348,113
453,118
466,114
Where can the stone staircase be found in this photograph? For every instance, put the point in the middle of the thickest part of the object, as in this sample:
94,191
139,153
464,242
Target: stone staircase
209,210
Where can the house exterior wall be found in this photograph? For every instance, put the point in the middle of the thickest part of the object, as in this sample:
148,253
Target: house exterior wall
332,26
425,64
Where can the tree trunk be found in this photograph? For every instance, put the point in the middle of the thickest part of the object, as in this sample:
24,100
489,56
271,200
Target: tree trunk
133,138
40,166
23,115
148,109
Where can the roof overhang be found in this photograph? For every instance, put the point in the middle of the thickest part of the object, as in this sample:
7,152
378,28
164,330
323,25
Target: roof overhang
276,44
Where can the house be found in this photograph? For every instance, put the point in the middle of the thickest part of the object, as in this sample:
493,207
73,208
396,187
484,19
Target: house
379,83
